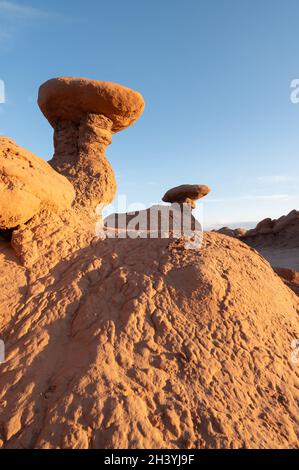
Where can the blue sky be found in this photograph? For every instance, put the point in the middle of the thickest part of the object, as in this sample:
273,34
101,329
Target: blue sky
215,75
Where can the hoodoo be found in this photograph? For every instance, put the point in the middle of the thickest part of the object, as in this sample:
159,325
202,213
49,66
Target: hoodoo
85,114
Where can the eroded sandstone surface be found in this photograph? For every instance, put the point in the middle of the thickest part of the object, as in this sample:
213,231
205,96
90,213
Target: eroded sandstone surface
142,343
136,343
85,114
28,185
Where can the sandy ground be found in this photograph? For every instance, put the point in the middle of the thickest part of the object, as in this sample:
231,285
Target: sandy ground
283,258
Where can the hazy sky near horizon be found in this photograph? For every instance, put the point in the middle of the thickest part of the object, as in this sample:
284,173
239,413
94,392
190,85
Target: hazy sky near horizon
215,75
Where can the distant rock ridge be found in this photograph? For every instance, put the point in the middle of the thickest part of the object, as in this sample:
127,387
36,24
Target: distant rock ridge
283,231
286,223
28,185
62,195
278,241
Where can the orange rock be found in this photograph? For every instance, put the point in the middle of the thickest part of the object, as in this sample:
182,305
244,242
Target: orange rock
138,343
28,185
186,193
84,114
290,278
72,98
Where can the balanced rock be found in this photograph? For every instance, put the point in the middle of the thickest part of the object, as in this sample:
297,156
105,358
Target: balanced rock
84,114
186,194
28,185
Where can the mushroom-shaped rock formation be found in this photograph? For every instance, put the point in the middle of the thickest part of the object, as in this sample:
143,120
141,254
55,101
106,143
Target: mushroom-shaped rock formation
186,194
28,185
84,114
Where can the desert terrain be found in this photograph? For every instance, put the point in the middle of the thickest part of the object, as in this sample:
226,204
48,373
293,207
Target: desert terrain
134,342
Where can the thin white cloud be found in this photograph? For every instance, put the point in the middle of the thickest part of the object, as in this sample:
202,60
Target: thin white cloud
217,200
255,197
20,11
216,224
16,17
276,179
251,197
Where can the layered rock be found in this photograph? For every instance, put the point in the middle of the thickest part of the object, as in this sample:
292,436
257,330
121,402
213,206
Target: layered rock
85,114
28,185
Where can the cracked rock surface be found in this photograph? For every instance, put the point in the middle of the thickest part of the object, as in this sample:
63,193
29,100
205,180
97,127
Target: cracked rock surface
135,343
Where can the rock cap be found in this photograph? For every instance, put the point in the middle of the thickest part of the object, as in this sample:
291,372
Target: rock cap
186,193
70,98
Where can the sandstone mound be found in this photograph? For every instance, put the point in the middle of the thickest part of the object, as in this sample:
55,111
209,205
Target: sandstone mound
28,185
143,344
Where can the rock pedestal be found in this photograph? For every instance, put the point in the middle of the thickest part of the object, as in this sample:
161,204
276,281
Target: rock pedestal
84,115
